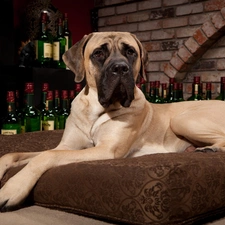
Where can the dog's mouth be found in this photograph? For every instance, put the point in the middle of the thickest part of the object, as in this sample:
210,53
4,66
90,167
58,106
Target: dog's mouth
116,85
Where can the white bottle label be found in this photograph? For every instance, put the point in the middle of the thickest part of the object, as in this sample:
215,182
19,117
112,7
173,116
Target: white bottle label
47,50
47,125
8,132
56,51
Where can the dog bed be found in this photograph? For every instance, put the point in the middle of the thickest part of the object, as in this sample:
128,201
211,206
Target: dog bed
172,188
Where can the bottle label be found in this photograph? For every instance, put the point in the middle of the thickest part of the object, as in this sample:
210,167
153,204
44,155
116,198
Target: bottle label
47,124
56,51
47,50
8,132
67,43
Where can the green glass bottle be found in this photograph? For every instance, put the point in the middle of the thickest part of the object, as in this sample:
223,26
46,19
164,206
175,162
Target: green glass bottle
208,95
18,105
11,124
57,108
65,111
45,88
151,91
31,115
220,96
67,33
59,47
48,115
143,88
180,92
196,90
164,92
175,97
157,98
170,90
43,44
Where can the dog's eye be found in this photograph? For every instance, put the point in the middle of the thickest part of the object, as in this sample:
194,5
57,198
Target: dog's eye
130,51
98,54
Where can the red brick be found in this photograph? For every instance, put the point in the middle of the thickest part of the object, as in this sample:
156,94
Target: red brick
152,46
218,21
169,70
192,45
175,22
189,9
214,5
200,37
210,30
186,55
220,64
178,63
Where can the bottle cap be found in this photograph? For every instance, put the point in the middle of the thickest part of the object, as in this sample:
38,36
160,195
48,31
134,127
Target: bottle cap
197,80
72,94
45,87
64,94
10,96
56,93
157,83
208,86
49,95
175,86
78,87
29,87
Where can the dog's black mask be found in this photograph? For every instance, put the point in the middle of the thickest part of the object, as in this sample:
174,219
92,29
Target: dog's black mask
116,83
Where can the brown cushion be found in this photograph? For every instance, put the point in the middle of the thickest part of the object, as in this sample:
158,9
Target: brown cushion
173,188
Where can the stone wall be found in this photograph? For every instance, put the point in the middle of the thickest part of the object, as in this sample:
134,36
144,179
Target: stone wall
184,38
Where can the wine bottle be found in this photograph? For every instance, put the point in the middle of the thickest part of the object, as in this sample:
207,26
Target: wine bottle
43,44
164,92
157,98
170,90
151,91
18,105
67,33
31,115
57,108
78,88
143,88
59,46
64,113
208,91
196,90
220,96
180,92
11,124
48,116
175,97
45,88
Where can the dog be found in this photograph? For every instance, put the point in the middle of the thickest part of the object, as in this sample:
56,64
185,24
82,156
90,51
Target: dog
111,118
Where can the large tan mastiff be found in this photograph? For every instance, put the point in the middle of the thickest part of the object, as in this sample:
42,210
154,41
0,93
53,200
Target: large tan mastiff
111,118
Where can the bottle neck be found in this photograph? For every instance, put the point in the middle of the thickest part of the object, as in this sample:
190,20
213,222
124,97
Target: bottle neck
49,105
30,99
11,108
65,104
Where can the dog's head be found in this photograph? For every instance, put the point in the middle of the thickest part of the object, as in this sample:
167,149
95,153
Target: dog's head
110,62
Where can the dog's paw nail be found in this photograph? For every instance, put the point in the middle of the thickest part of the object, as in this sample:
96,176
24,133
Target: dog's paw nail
206,150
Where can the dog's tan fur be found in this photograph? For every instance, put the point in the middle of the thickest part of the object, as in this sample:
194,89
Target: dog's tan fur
110,130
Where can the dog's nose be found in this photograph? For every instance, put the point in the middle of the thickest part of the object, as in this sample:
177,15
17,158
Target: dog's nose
120,68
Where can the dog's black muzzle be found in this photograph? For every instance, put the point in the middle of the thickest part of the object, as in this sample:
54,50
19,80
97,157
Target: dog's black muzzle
116,84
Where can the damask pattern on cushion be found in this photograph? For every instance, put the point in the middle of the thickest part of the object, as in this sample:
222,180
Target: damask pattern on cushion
172,188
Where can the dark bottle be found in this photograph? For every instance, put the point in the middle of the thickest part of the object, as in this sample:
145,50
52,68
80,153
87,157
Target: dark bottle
48,116
180,92
71,96
59,46
223,92
11,124
175,97
57,108
208,95
157,98
170,90
220,96
65,111
78,88
151,91
43,44
31,115
196,90
44,90
164,92
67,33
18,105
144,89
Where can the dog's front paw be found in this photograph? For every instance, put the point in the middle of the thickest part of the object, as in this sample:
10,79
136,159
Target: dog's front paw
12,194
206,150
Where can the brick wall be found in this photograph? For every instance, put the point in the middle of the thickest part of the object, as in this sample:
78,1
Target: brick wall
184,38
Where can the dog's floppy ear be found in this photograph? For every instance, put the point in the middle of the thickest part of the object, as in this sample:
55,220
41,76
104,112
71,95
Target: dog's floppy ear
144,57
74,58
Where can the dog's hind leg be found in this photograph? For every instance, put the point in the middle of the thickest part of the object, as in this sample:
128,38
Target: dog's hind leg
15,159
207,134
